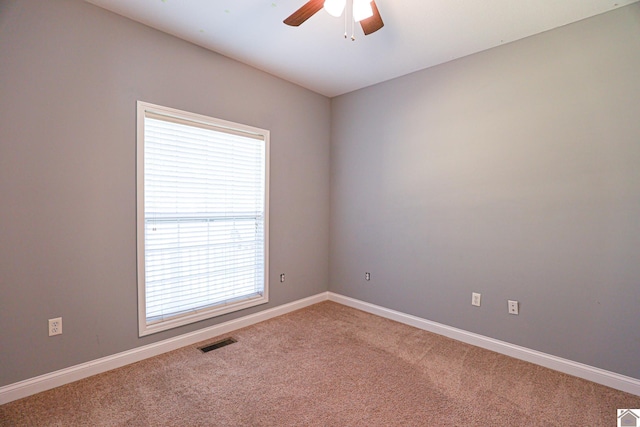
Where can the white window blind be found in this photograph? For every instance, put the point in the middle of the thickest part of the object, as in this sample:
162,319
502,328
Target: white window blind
203,227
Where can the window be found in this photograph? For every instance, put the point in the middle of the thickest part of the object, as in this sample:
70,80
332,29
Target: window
202,217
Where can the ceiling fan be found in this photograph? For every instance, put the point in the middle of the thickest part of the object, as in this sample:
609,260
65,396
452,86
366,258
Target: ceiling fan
364,11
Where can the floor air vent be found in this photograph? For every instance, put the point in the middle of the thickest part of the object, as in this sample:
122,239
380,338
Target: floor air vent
216,345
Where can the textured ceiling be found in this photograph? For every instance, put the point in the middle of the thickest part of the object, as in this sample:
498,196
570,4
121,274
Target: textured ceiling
417,33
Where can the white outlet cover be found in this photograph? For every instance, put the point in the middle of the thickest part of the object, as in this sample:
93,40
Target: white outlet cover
513,307
475,299
55,326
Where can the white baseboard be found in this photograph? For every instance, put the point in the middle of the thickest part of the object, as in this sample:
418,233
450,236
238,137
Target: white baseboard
597,375
74,373
51,380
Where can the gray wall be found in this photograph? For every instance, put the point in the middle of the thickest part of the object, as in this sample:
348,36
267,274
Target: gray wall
515,173
70,75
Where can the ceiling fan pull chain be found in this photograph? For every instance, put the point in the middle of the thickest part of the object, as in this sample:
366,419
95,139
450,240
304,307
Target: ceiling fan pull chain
353,24
345,22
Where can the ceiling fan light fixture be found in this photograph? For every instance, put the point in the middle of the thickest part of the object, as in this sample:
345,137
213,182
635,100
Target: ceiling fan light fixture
334,7
362,10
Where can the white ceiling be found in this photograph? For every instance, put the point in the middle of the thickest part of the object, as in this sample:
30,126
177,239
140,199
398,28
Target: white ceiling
417,33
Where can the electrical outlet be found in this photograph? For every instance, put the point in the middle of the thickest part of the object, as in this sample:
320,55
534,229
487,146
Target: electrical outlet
475,299
55,326
513,307
282,278
367,276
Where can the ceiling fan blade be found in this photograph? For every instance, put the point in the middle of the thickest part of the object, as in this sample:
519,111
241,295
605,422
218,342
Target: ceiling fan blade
374,23
305,12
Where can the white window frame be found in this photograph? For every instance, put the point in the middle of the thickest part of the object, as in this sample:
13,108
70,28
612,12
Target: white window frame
145,328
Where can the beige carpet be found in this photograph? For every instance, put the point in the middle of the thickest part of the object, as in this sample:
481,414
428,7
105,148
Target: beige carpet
326,365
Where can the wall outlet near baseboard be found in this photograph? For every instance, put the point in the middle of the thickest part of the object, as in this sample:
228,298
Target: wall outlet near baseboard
282,278
513,307
475,299
367,276
55,326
